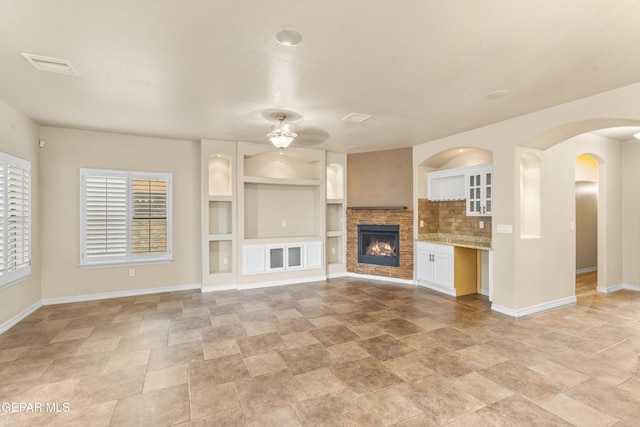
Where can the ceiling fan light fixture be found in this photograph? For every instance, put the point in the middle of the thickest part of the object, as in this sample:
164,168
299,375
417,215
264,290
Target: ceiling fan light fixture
282,134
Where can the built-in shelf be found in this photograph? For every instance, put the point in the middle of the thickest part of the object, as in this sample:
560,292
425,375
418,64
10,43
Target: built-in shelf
281,181
217,237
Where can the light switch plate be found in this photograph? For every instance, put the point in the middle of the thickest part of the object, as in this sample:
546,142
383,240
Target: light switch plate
505,228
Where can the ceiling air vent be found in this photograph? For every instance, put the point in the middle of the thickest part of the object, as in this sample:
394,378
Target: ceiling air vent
356,117
52,65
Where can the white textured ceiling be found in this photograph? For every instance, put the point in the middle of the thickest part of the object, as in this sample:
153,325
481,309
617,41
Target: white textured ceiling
195,69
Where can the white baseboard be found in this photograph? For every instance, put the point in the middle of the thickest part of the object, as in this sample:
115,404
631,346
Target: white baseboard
18,317
446,291
219,288
534,308
120,294
275,283
616,288
336,275
587,270
382,278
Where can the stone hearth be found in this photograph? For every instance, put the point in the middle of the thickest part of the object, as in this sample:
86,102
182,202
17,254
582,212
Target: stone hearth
381,216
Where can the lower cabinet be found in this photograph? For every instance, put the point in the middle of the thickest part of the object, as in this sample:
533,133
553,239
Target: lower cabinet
446,268
259,259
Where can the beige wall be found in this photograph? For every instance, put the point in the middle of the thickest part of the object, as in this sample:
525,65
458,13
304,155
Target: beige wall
19,137
631,211
586,225
529,273
381,178
67,151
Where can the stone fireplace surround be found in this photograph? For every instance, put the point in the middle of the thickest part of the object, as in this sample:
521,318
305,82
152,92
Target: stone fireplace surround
381,216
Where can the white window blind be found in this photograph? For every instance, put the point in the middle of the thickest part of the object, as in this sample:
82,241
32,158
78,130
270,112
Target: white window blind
126,217
15,219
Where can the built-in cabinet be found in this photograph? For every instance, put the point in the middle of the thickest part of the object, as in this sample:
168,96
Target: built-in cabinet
473,183
336,214
478,190
435,265
272,212
218,214
446,268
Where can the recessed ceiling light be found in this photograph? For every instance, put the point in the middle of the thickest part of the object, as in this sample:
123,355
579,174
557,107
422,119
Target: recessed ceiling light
52,65
497,94
356,117
636,135
289,36
460,150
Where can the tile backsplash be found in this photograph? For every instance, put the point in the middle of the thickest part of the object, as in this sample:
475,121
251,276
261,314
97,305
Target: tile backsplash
450,217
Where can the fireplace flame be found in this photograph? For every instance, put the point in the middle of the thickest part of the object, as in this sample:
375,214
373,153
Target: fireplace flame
378,248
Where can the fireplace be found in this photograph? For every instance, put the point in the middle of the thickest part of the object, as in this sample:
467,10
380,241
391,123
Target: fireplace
379,244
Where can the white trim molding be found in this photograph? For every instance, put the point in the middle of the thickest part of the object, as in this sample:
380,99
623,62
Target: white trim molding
382,278
19,317
534,308
616,288
586,270
121,294
443,290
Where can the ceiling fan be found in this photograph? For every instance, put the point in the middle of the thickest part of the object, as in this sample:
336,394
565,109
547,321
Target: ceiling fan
282,133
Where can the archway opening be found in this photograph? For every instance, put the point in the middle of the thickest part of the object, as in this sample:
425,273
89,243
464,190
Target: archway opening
586,224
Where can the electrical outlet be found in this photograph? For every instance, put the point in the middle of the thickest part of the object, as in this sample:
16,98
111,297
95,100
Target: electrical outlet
333,251
481,224
421,223
284,222
225,261
132,272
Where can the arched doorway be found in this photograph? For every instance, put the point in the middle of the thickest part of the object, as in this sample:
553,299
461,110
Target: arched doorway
586,197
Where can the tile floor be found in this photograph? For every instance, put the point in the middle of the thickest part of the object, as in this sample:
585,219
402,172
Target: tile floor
338,353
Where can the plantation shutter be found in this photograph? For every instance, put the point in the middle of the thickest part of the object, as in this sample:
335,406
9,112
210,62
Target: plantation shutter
18,218
125,217
15,219
105,224
149,223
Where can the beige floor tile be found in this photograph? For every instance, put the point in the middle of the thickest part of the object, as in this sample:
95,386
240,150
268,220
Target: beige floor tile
219,348
319,382
72,334
337,409
299,339
296,355
283,417
266,393
163,378
214,399
98,346
442,398
122,361
389,406
265,363
577,413
482,388
165,407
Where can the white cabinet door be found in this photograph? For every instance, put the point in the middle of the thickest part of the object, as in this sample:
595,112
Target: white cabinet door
443,270
479,190
313,255
425,266
254,259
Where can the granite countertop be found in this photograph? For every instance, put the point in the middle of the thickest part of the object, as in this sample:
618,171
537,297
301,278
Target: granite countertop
473,242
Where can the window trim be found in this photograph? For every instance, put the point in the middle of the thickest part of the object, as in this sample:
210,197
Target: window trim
129,258
8,279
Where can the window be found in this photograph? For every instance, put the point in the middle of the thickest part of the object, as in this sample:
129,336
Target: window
15,219
125,218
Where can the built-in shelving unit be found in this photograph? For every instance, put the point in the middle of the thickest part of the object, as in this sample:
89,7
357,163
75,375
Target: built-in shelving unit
335,214
271,217
218,213
281,219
